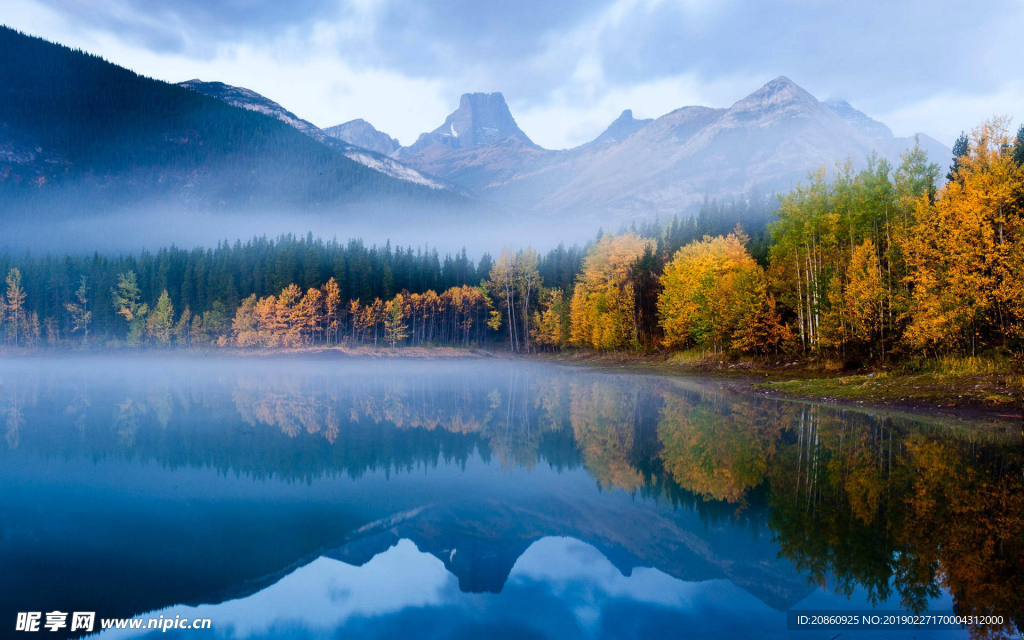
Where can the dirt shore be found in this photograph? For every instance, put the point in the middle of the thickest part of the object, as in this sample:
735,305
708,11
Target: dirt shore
990,398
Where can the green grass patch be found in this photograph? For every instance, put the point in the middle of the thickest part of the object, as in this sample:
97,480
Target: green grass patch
955,384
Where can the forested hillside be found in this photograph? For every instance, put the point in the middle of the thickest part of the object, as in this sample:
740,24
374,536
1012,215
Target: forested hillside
80,135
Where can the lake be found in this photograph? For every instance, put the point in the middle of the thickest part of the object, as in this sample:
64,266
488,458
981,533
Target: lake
289,498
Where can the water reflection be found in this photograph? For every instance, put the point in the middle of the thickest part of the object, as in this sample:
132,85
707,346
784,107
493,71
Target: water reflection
171,483
559,587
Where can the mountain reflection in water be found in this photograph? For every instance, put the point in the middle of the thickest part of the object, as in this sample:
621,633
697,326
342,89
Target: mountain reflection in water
289,498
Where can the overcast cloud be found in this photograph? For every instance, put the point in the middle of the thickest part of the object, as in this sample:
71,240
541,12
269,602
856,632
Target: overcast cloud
567,68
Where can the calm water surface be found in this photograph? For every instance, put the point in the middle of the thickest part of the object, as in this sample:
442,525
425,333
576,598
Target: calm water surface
412,499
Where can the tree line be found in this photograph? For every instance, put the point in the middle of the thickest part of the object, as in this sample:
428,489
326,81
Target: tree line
862,265
866,265
132,299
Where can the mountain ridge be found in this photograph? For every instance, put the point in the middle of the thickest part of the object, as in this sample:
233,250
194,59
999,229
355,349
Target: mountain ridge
83,137
361,133
620,129
113,139
253,101
768,140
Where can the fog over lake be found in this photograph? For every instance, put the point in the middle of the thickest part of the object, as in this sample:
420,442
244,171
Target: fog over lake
302,498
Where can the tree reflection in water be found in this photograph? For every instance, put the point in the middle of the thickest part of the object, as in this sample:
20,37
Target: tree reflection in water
886,504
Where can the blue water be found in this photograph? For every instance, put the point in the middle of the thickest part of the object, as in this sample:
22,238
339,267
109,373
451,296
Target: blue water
428,499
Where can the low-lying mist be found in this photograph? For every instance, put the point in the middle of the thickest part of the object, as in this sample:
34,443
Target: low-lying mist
479,228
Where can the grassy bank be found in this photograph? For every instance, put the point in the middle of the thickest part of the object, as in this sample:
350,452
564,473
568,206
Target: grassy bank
976,388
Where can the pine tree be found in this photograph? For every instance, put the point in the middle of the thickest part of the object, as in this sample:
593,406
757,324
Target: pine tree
126,298
52,331
960,149
1018,147
183,329
32,329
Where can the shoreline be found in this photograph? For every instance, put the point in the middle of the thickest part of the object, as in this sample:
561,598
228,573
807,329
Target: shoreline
993,399
318,352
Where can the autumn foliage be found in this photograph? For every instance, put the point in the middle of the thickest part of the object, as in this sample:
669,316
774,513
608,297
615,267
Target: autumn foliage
869,265
455,317
603,311
966,252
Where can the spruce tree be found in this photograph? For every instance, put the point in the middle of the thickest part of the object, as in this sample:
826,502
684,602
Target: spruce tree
960,149
1018,147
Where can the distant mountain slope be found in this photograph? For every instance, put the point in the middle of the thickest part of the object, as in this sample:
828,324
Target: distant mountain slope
361,133
938,152
81,135
376,160
767,141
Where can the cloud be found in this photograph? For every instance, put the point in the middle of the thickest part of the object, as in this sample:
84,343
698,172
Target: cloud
566,68
194,26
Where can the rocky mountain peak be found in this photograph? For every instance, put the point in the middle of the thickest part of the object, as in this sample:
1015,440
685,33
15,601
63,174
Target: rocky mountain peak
361,133
768,141
357,139
482,118
620,129
780,97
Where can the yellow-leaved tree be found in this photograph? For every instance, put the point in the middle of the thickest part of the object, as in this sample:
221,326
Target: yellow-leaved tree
603,308
715,295
964,250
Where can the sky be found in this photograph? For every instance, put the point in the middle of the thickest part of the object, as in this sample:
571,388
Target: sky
566,68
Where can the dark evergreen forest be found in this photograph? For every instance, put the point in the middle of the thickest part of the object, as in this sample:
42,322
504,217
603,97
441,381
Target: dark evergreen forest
87,135
218,279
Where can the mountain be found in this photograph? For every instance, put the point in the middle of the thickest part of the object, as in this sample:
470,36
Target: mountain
481,119
623,127
249,99
768,141
362,134
364,155
81,137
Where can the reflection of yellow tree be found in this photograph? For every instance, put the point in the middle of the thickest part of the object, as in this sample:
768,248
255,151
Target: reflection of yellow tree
79,407
862,504
18,396
718,450
161,400
603,423
286,408
294,411
968,521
